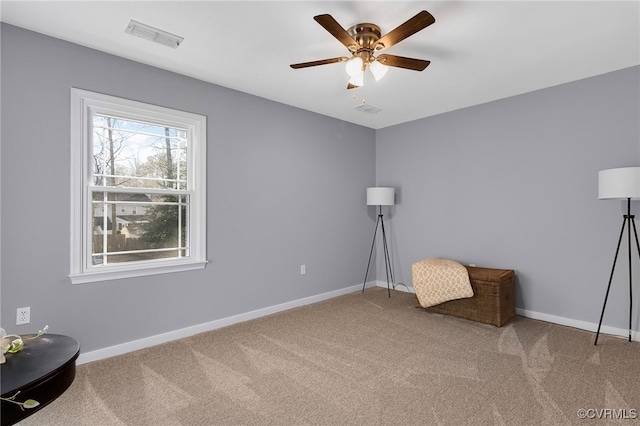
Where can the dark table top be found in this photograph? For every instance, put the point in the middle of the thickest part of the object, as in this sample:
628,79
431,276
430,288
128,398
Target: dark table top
37,359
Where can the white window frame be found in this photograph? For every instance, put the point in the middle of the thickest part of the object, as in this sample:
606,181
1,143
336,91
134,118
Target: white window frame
83,105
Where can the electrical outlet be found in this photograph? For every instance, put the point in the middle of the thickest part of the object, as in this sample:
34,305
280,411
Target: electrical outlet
303,269
23,316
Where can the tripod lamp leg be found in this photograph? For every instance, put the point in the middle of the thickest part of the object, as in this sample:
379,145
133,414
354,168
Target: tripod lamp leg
606,296
373,243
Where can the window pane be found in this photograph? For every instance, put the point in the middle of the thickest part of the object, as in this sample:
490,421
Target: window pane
147,226
140,155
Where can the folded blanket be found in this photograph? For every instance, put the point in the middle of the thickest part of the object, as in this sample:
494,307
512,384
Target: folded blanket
437,281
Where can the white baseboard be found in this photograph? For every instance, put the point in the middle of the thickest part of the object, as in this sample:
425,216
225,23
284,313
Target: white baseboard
582,325
146,342
223,322
569,322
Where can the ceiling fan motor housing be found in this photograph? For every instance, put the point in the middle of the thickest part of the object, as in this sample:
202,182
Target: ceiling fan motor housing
367,36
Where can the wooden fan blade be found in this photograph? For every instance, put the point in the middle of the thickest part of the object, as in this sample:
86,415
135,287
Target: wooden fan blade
336,30
410,27
321,62
402,62
351,86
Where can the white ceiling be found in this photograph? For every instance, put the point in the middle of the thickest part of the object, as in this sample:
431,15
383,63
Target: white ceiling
479,50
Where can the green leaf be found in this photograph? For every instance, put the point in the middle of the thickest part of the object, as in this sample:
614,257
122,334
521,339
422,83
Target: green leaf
30,403
16,345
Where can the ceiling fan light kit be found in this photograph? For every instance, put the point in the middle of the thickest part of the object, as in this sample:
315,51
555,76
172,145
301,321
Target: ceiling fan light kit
363,40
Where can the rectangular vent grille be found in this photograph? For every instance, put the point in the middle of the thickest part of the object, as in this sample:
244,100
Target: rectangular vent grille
368,109
153,34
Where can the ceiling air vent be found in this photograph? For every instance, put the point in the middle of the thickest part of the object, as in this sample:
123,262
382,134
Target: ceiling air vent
149,33
368,109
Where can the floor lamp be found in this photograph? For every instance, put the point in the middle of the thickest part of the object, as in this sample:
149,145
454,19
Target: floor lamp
380,196
623,183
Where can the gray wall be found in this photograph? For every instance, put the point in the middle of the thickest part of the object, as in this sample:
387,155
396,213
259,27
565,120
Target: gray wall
508,184
513,184
285,187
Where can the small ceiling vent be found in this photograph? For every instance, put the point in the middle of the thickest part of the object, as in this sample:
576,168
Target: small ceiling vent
368,109
149,33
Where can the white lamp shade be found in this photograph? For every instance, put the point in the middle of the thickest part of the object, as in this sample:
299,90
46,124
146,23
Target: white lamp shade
358,79
378,70
354,66
619,183
380,196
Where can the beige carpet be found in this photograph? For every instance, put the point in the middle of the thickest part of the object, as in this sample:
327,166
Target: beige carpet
361,359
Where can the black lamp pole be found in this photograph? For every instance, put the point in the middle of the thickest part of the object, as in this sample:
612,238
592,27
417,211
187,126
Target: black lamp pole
387,260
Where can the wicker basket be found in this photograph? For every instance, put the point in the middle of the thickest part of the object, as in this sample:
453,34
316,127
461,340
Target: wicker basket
493,301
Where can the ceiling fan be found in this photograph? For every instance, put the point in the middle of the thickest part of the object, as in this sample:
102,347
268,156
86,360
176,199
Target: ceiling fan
363,40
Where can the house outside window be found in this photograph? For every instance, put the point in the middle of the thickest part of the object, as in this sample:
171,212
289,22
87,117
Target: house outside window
138,189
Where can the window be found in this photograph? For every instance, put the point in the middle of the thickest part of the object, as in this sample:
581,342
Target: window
138,189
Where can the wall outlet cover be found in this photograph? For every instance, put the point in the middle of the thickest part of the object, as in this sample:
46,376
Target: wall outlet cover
23,315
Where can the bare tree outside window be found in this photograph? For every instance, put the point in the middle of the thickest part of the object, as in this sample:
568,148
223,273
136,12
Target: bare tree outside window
139,169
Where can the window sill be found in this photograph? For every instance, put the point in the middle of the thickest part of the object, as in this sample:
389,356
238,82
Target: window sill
139,271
